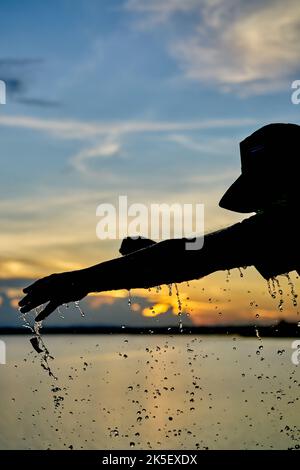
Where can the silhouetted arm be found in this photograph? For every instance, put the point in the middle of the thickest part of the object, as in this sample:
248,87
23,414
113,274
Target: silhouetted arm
170,261
161,263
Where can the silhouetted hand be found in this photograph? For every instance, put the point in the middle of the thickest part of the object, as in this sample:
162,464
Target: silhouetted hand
56,289
63,288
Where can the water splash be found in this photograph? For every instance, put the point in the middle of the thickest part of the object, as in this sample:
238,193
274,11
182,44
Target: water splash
280,292
26,324
38,343
275,289
41,348
179,304
77,305
292,289
241,273
271,287
129,299
60,313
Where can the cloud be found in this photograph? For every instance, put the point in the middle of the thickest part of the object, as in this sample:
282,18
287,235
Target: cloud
106,149
209,146
31,249
103,139
69,129
159,11
242,47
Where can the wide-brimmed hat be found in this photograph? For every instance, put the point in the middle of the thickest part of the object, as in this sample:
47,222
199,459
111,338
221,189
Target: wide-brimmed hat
270,159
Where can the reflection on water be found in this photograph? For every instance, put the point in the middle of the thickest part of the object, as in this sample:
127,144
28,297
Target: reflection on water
159,392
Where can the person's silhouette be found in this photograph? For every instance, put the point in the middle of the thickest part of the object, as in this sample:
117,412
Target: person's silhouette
268,185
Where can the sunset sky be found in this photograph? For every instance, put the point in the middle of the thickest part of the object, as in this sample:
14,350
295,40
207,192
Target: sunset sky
144,98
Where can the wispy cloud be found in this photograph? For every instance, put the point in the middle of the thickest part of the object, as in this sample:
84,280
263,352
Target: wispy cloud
103,139
70,129
242,47
157,12
107,149
208,146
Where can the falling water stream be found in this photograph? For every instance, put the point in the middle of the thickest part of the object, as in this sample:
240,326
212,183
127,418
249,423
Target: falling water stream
179,305
275,289
292,289
129,299
45,356
77,305
38,343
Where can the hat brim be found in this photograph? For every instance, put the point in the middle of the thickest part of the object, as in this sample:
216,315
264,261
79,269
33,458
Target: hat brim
242,196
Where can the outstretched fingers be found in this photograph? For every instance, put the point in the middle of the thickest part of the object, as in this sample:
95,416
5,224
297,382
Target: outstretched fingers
32,286
36,294
33,300
52,290
31,305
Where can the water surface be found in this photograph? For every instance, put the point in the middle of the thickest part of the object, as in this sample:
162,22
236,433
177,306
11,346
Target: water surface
149,391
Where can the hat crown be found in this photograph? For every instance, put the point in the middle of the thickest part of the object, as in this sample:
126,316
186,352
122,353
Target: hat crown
270,148
270,165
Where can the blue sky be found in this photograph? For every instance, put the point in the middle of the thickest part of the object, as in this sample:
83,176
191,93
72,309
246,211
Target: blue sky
140,97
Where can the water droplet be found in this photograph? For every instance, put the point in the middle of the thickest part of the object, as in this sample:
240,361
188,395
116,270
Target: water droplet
60,313
257,334
129,299
76,303
280,352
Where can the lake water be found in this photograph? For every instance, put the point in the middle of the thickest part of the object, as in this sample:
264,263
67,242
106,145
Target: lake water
149,391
